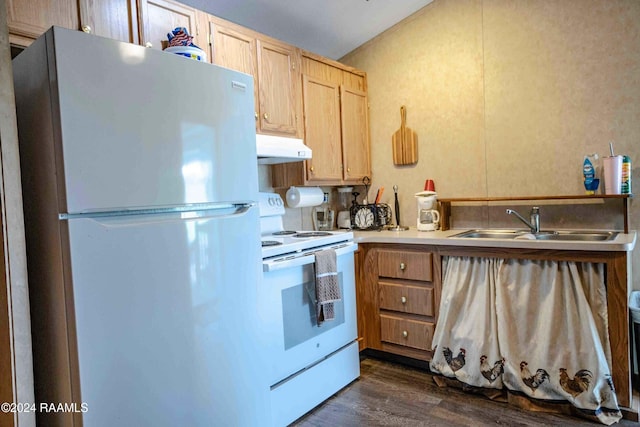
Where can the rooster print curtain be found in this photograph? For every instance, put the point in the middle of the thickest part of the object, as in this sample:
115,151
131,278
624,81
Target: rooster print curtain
535,327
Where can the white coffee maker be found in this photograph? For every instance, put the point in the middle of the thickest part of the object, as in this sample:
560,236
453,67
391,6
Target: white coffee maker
428,215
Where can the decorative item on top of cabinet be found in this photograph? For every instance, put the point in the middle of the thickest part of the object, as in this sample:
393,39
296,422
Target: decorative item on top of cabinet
159,17
401,299
336,126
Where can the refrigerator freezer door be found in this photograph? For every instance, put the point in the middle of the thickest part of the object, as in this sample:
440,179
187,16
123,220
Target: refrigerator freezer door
140,127
165,316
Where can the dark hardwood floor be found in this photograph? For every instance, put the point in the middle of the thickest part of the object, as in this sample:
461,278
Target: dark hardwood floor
391,394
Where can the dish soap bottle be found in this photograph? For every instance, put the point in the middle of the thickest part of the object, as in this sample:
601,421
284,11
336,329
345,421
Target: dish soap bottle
590,173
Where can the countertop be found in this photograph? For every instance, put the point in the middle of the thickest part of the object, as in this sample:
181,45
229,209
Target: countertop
624,242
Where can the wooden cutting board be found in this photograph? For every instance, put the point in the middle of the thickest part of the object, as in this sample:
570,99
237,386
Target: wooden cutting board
404,142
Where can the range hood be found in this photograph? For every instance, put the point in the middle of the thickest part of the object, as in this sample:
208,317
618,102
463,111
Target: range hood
276,149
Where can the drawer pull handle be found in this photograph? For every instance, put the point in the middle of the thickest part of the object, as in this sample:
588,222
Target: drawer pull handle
402,266
405,334
403,300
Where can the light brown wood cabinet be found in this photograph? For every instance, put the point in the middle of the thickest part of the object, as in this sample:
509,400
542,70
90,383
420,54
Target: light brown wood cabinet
159,17
28,19
144,22
355,134
336,127
275,67
279,98
115,19
335,119
321,106
400,295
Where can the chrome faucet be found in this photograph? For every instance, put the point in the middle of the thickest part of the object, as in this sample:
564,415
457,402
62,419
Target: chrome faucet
534,216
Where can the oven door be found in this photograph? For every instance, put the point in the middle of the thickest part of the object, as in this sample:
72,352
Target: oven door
296,341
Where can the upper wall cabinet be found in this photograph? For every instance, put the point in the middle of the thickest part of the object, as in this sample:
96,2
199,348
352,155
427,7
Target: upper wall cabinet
278,88
321,109
28,19
115,19
336,127
275,67
354,113
335,119
233,47
159,17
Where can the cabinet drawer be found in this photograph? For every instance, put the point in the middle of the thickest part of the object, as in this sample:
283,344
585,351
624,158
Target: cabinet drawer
407,299
407,332
405,265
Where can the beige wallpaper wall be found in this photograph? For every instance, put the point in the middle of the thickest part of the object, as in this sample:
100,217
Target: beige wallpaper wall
506,97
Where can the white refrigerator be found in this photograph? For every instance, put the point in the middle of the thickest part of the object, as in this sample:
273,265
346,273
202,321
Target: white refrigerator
140,184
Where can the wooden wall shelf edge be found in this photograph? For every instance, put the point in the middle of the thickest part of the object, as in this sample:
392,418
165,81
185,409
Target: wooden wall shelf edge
445,204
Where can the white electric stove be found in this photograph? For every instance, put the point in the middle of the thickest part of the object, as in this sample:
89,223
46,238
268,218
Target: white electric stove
309,361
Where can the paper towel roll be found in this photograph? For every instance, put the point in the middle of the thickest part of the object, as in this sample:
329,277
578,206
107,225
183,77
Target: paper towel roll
300,197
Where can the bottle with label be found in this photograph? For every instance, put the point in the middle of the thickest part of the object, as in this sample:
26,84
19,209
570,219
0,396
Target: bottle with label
590,173
323,215
625,186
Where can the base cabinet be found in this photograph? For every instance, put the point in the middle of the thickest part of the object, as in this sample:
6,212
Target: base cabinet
399,291
401,294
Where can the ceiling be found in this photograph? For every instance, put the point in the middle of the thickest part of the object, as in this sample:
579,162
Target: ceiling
331,28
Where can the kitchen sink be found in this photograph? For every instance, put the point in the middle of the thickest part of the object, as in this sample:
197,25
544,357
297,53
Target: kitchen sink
576,236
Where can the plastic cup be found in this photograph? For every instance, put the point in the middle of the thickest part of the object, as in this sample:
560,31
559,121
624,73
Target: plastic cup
429,185
612,174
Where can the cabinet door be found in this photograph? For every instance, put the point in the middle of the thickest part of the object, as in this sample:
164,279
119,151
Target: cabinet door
278,88
236,50
355,134
28,19
321,107
115,19
159,17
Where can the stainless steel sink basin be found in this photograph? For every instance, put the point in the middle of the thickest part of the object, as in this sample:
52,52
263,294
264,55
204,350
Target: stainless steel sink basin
576,236
581,236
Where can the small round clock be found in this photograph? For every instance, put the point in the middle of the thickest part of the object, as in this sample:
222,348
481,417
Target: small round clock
364,218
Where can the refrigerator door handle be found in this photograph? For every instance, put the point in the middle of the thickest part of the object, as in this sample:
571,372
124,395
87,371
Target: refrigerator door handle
173,213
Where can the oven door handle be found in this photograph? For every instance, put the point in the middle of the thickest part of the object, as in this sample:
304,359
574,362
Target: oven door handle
305,258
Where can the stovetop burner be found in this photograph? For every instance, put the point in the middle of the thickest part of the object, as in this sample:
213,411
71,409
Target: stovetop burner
284,233
313,234
277,240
